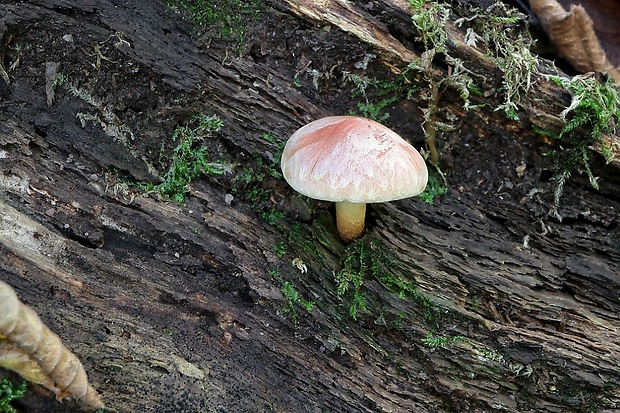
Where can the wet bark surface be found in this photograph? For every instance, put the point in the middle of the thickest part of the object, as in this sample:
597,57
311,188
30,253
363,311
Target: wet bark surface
482,302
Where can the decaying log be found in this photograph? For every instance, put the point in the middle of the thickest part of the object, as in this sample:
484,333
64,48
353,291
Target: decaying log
481,302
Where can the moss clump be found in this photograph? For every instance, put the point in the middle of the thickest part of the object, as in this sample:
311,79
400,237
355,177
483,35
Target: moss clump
190,157
595,106
8,393
364,260
226,18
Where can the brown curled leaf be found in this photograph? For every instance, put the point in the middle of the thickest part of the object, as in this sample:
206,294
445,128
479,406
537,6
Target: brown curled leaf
30,348
573,33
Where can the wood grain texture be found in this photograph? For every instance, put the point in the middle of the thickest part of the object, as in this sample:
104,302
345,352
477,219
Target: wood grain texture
176,308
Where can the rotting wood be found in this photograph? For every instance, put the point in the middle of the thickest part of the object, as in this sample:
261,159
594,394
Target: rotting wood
351,19
191,320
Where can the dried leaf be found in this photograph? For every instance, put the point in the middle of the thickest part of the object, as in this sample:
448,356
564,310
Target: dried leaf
30,348
573,34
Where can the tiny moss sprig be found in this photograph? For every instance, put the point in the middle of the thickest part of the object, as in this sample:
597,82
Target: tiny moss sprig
350,279
227,18
274,167
435,342
293,299
190,158
10,392
364,260
280,249
388,93
436,187
595,105
430,19
292,296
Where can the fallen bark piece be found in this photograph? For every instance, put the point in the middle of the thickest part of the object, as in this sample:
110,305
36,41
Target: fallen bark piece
30,348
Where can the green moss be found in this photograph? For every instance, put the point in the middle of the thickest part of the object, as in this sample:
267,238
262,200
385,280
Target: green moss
430,19
254,182
436,186
190,158
247,184
10,392
293,298
595,108
378,95
434,341
365,260
228,18
274,166
350,279
374,111
280,249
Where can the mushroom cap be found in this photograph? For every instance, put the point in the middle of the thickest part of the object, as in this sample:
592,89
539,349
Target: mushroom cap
347,158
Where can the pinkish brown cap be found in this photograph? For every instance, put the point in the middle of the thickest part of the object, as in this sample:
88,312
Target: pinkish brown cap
346,158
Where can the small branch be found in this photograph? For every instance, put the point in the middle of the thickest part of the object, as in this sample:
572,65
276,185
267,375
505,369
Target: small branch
430,120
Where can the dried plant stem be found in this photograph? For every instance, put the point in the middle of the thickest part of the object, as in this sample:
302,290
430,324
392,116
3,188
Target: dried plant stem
430,120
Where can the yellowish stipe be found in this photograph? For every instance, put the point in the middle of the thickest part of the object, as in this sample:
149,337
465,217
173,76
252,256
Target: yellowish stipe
350,220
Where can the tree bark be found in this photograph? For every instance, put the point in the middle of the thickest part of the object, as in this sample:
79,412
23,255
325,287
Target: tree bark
482,302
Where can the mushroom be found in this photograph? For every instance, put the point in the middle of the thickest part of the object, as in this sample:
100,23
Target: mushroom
352,161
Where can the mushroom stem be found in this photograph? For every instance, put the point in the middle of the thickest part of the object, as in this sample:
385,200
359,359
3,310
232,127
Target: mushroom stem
350,220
